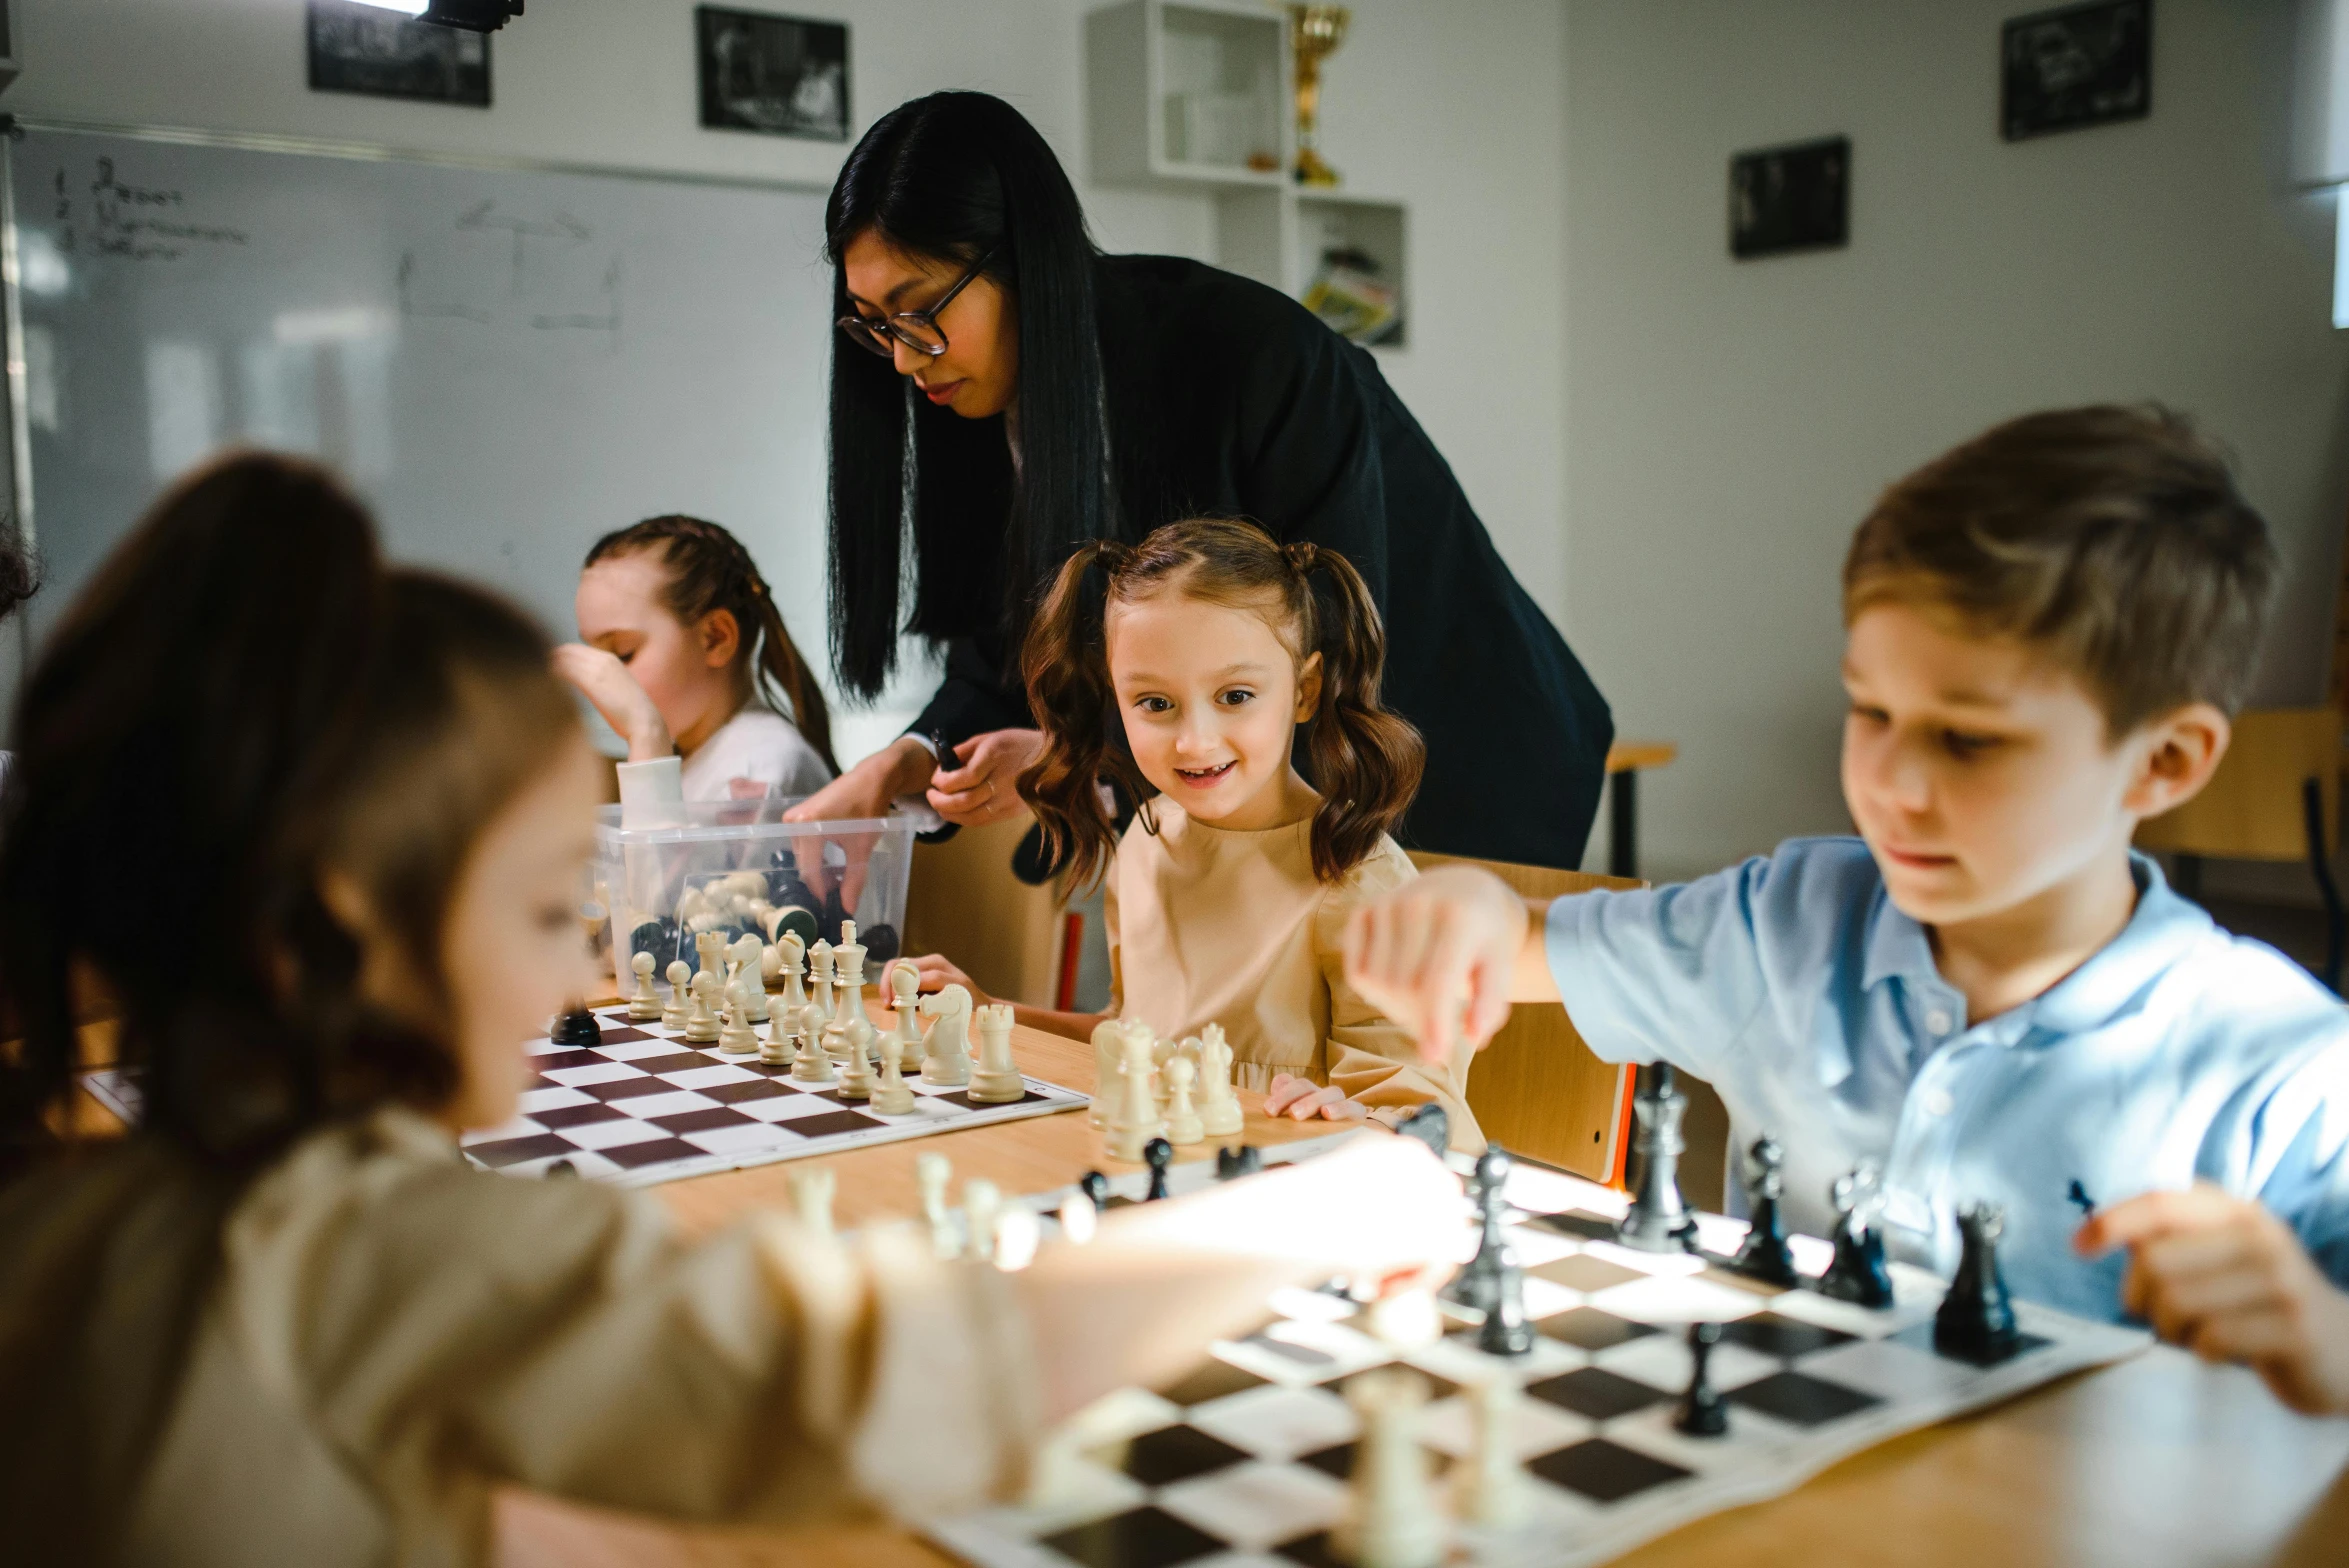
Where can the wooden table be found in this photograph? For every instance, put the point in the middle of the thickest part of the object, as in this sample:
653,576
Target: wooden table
2158,1460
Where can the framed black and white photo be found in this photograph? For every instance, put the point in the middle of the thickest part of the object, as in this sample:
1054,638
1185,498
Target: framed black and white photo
1791,198
366,49
784,75
2070,69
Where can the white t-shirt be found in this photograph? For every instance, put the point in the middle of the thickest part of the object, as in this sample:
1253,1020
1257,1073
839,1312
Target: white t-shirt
757,744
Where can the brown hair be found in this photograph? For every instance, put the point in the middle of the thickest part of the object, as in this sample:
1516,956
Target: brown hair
244,697
1365,759
711,571
2114,538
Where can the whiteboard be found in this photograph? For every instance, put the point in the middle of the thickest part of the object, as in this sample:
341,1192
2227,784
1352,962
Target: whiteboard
505,362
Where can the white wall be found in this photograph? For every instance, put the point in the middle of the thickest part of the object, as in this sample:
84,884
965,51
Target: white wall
1728,423
1457,110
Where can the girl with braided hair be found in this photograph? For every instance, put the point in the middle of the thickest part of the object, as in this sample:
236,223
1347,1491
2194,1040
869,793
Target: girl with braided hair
684,653
1181,671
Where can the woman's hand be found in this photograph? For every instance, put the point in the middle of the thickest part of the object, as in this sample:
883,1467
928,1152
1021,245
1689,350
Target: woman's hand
979,782
2226,1279
604,681
868,789
1439,956
937,972
1301,1099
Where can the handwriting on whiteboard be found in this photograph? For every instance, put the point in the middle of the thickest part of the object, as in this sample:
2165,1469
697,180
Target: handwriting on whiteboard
110,216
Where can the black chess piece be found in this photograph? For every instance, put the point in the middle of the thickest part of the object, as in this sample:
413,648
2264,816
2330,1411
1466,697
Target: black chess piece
1703,1412
1095,1186
575,1025
657,937
1431,1124
1977,1318
1857,1273
560,1168
1233,1163
880,943
800,921
1765,1255
1158,1154
1478,1286
1658,1220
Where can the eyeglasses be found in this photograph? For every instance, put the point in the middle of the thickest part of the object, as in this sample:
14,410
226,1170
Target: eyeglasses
916,329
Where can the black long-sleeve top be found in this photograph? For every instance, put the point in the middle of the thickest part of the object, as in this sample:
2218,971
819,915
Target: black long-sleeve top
1228,397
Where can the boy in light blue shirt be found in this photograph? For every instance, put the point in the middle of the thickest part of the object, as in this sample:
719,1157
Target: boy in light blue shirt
1987,993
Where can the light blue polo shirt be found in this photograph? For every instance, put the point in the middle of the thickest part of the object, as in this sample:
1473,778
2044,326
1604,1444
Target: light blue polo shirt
1793,986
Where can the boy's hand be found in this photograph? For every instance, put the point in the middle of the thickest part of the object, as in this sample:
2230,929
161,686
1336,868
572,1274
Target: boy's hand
1445,939
1301,1099
2229,1281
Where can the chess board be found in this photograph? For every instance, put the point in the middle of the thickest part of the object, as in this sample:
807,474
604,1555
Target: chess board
1242,1462
649,1106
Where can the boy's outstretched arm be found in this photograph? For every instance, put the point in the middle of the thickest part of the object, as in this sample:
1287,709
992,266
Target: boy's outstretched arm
2226,1279
1445,955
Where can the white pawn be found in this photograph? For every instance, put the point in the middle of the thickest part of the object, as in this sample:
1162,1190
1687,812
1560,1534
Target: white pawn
680,992
1134,1119
645,1006
1391,1518
819,980
811,1195
737,1038
947,1047
789,955
1182,1121
1489,1489
812,1064
932,1172
701,1024
1219,1109
775,1049
890,1096
982,1206
1108,1060
856,1068
904,983
996,1080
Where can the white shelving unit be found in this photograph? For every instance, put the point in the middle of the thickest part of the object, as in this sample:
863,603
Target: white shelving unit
1193,96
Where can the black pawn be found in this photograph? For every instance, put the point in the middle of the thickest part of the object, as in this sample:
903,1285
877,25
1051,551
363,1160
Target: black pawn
1977,1318
1158,1154
1658,1221
1765,1255
1702,1411
1857,1273
1233,1163
576,1026
1477,1287
1431,1124
1506,1331
1095,1186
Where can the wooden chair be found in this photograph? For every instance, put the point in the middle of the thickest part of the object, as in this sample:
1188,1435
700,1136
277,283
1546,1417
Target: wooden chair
963,901
2276,796
1536,1089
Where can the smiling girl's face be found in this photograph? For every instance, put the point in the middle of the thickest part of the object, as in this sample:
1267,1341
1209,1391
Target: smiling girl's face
1211,698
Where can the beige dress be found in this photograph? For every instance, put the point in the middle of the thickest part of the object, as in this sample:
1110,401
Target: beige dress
387,1333
1212,926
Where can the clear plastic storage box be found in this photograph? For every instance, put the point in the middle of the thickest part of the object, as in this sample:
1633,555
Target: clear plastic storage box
735,866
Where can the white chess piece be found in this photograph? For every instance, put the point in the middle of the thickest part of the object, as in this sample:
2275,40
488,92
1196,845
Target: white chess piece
1219,1109
701,1024
645,1006
903,982
1391,1517
680,992
1488,1488
819,980
858,1036
845,1046
771,967
1108,1060
1134,1120
737,1038
932,1172
946,1058
775,1049
811,1196
1161,1053
710,948
890,1096
749,954
1183,1126
996,1080
982,1206
813,1064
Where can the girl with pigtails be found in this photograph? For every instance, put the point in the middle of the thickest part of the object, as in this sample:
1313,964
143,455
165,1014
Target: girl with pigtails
1180,670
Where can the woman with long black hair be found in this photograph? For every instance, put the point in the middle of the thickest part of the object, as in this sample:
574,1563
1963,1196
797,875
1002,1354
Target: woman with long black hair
1003,392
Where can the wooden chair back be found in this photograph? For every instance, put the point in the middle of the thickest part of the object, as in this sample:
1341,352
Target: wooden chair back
962,901
2252,809
1536,1089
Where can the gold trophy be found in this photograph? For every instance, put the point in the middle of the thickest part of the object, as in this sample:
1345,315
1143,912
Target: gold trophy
1315,31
